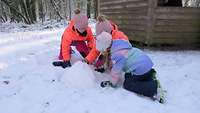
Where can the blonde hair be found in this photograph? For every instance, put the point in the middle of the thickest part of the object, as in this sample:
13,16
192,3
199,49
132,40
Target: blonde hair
77,11
101,18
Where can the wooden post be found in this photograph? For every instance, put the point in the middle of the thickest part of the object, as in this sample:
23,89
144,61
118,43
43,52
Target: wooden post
152,4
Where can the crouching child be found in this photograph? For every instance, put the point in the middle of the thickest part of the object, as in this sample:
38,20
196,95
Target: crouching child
139,74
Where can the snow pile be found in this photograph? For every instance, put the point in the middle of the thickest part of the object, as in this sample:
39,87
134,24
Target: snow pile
79,76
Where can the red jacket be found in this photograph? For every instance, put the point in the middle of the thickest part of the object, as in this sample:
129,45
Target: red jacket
114,26
71,35
116,35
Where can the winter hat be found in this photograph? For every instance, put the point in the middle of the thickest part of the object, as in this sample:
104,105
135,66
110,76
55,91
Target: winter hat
103,41
103,25
80,22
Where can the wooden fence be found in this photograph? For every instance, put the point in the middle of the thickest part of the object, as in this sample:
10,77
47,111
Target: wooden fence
144,22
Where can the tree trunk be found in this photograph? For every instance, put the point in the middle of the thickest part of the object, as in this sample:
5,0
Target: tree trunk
88,8
70,10
37,11
56,9
1,12
96,8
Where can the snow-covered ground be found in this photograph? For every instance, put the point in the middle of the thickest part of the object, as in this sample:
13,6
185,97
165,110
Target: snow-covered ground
30,84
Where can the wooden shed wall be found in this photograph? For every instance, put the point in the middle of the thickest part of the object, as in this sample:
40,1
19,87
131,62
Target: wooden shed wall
143,21
130,15
176,25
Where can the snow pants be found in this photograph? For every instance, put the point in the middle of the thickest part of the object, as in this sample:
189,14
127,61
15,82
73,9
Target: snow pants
84,51
80,46
144,84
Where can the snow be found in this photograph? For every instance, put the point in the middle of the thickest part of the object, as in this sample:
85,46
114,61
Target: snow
74,80
30,84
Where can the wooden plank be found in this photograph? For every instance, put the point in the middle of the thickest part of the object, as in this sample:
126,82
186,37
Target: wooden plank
125,19
129,30
176,34
116,17
191,29
131,22
104,1
124,14
178,17
174,40
179,14
133,27
136,9
135,36
178,22
122,2
123,7
113,7
142,11
183,10
125,4
135,32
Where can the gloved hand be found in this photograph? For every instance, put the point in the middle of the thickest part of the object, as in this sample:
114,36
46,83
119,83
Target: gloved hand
107,84
66,64
85,60
101,70
57,63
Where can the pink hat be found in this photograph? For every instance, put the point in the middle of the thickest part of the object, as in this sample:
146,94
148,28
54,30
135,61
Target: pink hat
103,26
80,22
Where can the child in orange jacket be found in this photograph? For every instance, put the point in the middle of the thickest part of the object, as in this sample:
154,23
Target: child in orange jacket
77,34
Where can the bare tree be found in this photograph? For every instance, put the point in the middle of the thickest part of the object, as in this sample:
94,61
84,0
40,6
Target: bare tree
22,10
1,12
56,8
89,8
191,3
31,11
70,10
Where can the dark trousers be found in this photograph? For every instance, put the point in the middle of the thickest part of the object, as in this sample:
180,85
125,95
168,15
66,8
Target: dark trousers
145,84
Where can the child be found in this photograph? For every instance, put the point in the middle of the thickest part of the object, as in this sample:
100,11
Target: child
137,66
104,25
77,34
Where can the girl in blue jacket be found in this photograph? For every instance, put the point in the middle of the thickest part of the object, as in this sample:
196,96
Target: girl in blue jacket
137,66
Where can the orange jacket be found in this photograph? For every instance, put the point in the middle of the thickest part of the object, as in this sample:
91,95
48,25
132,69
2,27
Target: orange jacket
114,26
71,35
116,35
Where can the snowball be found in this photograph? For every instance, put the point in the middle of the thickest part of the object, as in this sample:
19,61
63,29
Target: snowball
79,76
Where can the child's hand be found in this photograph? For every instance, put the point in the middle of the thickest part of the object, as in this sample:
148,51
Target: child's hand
107,84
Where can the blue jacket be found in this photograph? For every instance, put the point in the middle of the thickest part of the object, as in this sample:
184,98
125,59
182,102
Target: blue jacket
128,59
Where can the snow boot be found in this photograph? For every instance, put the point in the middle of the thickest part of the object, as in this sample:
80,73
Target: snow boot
160,96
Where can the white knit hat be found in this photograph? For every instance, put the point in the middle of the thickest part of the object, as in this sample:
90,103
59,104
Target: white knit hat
103,41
